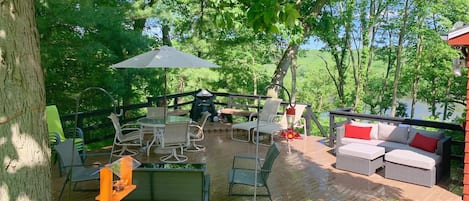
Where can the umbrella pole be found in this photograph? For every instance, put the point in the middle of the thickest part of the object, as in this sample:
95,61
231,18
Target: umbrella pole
165,104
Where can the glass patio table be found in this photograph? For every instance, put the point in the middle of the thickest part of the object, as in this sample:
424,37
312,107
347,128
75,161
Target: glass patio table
157,124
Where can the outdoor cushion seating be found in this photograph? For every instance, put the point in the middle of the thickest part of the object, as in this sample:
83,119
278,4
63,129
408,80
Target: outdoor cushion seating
360,158
418,167
266,116
403,139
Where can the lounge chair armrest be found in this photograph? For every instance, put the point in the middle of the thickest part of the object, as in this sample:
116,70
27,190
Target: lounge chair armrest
195,126
252,115
273,117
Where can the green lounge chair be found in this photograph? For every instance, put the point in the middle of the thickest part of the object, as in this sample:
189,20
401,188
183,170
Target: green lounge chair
57,134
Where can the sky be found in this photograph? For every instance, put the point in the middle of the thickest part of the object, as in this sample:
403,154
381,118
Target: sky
312,44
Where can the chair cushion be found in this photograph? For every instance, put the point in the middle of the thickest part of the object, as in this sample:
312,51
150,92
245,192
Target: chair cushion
359,132
425,143
392,133
374,128
361,151
413,158
432,134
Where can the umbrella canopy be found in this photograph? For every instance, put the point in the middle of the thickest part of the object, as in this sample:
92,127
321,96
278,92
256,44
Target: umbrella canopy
165,57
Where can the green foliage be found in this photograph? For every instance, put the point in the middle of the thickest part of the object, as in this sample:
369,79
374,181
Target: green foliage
247,38
79,43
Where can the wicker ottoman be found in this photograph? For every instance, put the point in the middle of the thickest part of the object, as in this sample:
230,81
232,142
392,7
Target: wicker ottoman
359,158
410,166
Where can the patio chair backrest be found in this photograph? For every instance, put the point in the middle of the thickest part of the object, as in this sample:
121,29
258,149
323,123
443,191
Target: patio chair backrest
204,118
176,133
299,109
270,157
197,131
270,108
117,126
154,112
68,155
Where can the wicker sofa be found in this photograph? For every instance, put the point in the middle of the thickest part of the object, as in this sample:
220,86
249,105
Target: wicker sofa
407,156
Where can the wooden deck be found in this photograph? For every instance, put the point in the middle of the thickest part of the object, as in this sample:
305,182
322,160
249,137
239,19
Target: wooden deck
307,173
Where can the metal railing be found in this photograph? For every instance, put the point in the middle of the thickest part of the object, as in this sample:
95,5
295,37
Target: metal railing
96,126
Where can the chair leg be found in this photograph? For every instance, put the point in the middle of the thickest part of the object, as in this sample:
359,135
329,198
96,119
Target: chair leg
63,188
123,151
268,192
230,189
195,147
178,158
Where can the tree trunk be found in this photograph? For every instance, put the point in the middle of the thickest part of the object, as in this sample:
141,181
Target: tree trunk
24,141
390,61
415,84
283,65
166,38
399,60
293,70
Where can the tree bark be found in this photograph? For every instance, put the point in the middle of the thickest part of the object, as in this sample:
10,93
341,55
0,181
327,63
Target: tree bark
24,141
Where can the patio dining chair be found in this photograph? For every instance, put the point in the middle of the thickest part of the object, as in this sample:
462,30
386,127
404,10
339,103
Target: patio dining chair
196,133
75,168
246,176
154,112
126,135
281,125
266,116
176,136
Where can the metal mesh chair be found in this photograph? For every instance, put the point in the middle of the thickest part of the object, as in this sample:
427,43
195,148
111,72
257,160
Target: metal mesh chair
126,135
246,176
75,169
175,137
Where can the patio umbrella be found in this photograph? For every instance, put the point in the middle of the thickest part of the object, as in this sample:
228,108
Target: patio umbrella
165,57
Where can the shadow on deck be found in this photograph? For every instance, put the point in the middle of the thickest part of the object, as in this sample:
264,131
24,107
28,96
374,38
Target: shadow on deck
307,173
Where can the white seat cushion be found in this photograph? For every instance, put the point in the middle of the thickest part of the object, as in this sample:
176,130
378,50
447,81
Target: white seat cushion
412,158
365,151
349,140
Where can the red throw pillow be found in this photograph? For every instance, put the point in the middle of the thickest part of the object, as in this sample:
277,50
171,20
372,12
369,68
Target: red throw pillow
357,132
424,143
